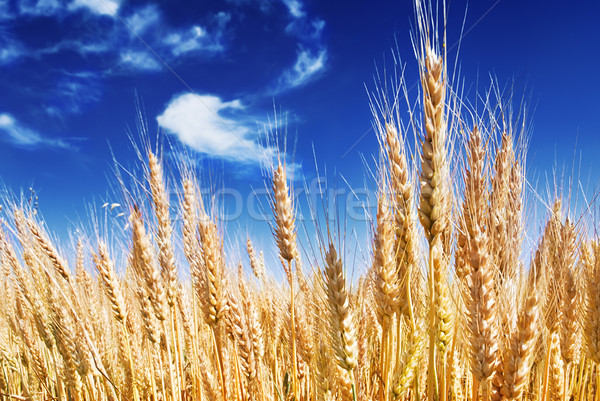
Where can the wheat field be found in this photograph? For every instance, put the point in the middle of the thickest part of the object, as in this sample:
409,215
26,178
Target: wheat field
452,304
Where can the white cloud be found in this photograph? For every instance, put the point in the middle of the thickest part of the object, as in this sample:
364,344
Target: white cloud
214,127
311,57
187,41
295,8
194,39
308,31
139,60
305,68
142,19
25,137
101,7
56,7
39,7
9,53
80,46
118,44
199,38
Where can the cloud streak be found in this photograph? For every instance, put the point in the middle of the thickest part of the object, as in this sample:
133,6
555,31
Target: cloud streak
139,60
56,7
311,56
143,19
306,68
198,38
101,7
24,137
73,92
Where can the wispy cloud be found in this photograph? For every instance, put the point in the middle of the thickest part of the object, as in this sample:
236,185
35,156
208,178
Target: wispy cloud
120,42
184,42
39,7
101,7
73,92
295,8
117,51
198,38
24,137
9,53
311,57
143,18
57,7
139,60
213,127
82,47
306,68
307,30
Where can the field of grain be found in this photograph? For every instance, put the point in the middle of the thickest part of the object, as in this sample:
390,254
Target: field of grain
452,306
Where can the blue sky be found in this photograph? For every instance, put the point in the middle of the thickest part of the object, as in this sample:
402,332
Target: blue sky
208,74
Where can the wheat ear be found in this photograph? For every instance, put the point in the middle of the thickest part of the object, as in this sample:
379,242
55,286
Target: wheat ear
255,263
518,360
590,254
435,207
407,243
285,235
285,225
145,266
387,289
212,292
110,282
341,316
556,383
57,261
498,215
166,257
569,334
480,298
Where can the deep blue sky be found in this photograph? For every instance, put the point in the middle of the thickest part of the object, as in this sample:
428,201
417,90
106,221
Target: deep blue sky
70,71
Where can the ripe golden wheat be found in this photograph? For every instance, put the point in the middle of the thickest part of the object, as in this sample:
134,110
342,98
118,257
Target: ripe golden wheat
448,308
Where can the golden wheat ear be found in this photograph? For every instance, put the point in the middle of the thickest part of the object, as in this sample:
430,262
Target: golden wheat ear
285,224
164,230
519,357
341,314
257,265
406,247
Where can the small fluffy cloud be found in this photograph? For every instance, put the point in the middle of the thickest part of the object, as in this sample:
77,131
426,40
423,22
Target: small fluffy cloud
18,134
209,125
139,60
306,68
